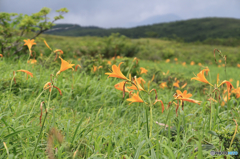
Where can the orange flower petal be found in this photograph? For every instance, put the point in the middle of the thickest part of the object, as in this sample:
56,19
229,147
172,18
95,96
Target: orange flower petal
25,71
135,98
117,72
64,66
143,70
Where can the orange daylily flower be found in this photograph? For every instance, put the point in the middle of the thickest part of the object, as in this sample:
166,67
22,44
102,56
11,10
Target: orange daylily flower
1,55
182,95
120,86
135,98
167,61
47,44
184,63
163,85
219,61
117,72
192,63
185,97
109,62
238,65
201,77
118,57
41,54
64,66
175,59
199,64
237,92
32,61
95,68
27,72
29,43
143,70
176,84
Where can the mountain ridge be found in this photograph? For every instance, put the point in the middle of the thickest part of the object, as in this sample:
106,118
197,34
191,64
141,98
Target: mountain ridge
189,30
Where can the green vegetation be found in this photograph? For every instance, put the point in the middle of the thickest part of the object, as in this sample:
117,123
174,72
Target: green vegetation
14,28
144,48
218,31
52,109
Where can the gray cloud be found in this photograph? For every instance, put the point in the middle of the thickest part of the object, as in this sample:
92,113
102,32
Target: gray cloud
113,13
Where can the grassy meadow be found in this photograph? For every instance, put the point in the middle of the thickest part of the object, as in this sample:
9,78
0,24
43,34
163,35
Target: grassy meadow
81,113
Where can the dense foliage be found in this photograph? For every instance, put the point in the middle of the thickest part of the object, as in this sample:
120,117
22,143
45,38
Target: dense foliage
15,27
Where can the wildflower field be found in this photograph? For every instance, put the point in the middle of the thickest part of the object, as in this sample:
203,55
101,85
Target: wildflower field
64,99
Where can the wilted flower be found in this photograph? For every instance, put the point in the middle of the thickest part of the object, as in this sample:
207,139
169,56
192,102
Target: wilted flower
58,50
77,67
48,85
27,72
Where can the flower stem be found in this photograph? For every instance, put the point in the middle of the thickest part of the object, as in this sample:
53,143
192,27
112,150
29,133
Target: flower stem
39,135
147,121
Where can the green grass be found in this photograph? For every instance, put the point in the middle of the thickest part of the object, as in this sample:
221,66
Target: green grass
97,122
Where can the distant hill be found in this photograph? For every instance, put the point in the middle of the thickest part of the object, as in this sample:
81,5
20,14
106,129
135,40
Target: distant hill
155,20
188,30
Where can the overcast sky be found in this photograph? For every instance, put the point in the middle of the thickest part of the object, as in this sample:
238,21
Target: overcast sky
119,13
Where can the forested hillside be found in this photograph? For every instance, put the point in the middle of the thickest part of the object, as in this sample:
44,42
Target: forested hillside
189,30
